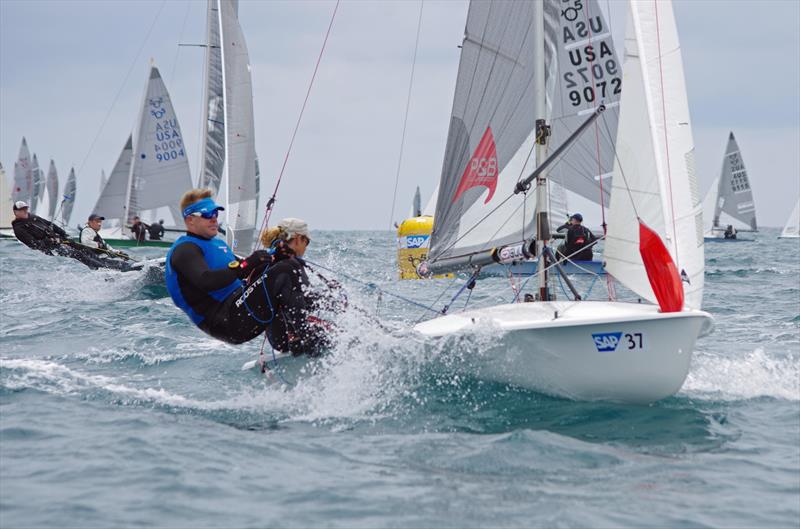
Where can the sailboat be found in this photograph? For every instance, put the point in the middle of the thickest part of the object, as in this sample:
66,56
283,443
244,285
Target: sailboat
729,201
151,172
229,165
68,197
37,184
52,190
792,228
607,350
6,205
23,176
580,61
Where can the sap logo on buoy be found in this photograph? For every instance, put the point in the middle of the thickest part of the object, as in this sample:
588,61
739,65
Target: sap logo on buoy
416,241
607,342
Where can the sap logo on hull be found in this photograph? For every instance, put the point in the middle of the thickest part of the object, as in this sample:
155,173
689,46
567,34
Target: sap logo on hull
606,342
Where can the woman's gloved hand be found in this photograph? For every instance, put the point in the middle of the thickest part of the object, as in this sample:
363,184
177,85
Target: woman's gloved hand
254,261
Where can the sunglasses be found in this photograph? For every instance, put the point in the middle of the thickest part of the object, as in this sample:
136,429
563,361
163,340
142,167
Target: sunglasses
308,241
205,214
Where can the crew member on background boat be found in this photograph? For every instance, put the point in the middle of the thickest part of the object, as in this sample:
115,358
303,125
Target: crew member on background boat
579,239
90,233
730,232
36,232
94,251
138,228
156,230
225,296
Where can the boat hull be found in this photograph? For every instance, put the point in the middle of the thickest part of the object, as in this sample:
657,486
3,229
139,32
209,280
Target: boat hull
588,351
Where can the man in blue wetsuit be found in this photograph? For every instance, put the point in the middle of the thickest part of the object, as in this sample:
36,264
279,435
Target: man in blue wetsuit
229,298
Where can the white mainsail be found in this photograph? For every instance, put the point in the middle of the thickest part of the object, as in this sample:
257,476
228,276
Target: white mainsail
229,161
654,177
6,216
23,176
111,202
37,184
68,198
159,172
103,179
792,228
52,190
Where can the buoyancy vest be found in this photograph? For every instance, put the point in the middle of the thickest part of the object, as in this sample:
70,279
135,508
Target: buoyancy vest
217,254
99,240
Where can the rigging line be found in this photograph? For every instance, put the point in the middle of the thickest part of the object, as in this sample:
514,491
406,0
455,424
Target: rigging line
438,298
376,287
405,118
666,138
122,86
180,38
622,174
271,201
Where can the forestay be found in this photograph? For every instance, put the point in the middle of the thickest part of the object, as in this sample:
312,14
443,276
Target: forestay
111,202
734,196
160,169
654,175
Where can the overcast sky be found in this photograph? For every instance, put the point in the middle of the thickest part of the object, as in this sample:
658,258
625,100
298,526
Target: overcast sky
72,73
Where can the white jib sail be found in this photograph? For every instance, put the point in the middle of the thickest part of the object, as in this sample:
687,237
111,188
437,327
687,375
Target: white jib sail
37,184
52,190
160,170
111,202
792,228
23,177
240,153
654,175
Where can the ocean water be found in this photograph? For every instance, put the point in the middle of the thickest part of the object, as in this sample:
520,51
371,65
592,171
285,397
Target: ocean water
116,412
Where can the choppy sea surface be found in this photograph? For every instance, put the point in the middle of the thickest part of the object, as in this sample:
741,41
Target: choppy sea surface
116,412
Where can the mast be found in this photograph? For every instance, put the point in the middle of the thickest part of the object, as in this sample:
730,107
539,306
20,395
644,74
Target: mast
226,164
542,132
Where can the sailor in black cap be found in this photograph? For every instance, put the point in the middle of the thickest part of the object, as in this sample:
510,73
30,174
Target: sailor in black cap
90,234
579,239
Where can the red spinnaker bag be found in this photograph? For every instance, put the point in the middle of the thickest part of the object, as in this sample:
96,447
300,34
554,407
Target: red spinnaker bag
661,270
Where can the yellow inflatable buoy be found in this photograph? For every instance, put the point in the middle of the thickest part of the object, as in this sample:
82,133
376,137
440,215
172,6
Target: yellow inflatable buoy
413,242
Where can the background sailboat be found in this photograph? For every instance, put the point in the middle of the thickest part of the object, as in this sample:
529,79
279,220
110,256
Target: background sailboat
730,198
152,171
591,349
791,229
37,185
23,176
68,197
52,190
228,165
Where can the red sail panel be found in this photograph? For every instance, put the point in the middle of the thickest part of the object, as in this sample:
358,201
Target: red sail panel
661,270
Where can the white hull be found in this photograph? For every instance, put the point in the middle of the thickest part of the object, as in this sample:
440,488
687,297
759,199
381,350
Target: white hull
592,350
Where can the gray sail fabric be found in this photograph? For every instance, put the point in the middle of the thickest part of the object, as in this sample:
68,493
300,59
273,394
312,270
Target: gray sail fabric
582,71
160,170
68,199
240,162
213,159
734,196
491,124
52,190
111,202
23,177
37,183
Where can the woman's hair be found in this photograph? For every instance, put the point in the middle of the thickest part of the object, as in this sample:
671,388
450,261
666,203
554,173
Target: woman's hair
194,195
270,235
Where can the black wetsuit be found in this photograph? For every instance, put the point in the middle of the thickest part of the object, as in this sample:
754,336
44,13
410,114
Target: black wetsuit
39,234
578,239
156,230
276,300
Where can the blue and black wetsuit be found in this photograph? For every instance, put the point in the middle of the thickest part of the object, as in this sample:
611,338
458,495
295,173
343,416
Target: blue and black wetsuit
212,294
